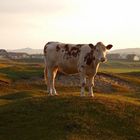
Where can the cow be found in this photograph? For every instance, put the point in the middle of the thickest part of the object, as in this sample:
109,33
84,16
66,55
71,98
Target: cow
73,58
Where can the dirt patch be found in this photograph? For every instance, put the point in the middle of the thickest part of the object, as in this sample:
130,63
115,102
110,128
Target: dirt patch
103,82
110,83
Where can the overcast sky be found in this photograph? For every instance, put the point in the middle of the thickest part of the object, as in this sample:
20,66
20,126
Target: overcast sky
32,23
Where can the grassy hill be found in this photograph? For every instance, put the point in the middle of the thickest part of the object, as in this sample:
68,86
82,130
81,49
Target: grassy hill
26,112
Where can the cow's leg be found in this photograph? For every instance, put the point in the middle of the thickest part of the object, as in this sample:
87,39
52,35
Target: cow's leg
83,83
46,79
91,85
53,81
50,77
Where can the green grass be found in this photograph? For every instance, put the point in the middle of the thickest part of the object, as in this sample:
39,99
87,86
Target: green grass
21,72
120,66
16,96
26,112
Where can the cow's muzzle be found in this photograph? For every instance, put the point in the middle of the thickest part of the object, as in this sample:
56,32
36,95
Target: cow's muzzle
103,59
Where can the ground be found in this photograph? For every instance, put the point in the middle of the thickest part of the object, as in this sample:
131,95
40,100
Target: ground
27,112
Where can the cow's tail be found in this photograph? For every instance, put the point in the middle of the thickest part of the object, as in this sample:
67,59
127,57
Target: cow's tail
45,74
45,60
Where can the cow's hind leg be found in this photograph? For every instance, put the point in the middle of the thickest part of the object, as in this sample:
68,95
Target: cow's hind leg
51,78
46,79
53,81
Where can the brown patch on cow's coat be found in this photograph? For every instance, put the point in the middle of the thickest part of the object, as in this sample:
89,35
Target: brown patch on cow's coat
45,49
66,47
91,46
83,84
57,48
75,51
49,43
79,45
67,51
82,66
71,51
89,58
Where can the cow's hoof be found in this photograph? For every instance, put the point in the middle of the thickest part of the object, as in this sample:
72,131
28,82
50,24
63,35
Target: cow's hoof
50,94
82,95
56,94
91,95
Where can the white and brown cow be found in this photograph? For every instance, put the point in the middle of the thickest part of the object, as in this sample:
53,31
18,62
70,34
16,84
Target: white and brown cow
73,58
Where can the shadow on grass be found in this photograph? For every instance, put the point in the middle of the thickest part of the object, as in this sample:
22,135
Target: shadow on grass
65,116
17,95
134,95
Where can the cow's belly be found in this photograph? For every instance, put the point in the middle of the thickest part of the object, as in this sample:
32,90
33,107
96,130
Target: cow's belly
69,67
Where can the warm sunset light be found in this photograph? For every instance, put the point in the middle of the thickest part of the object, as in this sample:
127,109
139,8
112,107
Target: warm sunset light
31,23
69,69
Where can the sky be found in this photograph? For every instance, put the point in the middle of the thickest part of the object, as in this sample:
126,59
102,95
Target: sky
32,23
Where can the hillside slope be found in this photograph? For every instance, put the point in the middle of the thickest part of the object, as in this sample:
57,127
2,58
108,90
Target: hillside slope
127,51
68,117
28,50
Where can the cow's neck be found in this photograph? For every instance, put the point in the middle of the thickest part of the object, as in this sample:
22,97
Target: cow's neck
95,66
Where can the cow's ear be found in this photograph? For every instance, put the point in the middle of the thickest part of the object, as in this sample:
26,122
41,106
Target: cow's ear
91,46
108,47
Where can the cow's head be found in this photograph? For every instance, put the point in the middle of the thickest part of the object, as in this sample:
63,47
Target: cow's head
100,51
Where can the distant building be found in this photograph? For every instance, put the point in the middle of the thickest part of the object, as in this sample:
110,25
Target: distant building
113,56
14,55
136,58
37,56
133,57
3,53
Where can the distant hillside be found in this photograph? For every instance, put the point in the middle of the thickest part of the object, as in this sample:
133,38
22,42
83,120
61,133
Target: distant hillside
40,51
127,51
28,50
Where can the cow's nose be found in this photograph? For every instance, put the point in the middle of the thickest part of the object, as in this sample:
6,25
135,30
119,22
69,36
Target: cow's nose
103,59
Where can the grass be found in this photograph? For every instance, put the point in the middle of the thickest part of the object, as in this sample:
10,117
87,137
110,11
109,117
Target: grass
26,112
69,117
22,72
120,66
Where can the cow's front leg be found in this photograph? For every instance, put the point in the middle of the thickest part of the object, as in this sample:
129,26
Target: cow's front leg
46,79
83,83
91,85
51,78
